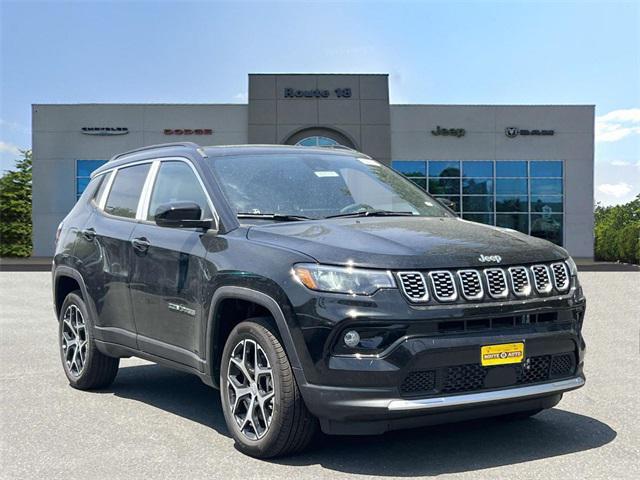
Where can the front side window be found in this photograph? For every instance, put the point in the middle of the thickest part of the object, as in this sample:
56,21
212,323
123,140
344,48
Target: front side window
125,192
318,186
176,182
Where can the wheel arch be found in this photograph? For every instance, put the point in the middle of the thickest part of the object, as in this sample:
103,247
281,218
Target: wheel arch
266,302
65,281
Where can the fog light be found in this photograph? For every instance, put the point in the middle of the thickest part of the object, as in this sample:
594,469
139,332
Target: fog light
351,339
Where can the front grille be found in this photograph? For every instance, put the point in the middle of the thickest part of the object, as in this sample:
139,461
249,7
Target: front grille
520,281
563,365
534,369
491,283
471,284
463,378
414,286
419,382
560,276
457,379
444,287
541,278
496,282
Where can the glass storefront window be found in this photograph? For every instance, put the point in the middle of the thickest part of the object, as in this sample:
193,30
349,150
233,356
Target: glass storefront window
508,186
476,168
477,186
512,203
477,203
411,169
546,169
547,226
546,186
523,195
511,169
444,186
444,169
84,169
514,221
546,204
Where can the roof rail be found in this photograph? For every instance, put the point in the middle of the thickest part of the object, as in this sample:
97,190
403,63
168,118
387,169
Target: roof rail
161,145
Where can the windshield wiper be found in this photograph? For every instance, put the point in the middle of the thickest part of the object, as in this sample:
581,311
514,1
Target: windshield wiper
278,217
372,213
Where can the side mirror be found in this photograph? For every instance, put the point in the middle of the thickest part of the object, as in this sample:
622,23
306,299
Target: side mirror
181,215
447,203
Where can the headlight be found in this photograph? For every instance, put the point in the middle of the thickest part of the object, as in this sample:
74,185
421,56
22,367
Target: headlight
355,281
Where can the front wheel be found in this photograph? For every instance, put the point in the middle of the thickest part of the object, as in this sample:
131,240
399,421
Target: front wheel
262,405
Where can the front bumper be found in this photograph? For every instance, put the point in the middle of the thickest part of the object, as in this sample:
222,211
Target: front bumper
374,411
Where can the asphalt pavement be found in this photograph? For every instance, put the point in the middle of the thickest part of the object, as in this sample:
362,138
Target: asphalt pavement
157,423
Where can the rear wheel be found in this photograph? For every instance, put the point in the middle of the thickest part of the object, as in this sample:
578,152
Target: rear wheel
262,405
85,367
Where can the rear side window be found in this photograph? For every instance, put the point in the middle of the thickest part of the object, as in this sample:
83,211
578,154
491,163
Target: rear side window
125,191
176,182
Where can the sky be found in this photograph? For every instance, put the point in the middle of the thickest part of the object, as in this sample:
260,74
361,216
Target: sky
434,52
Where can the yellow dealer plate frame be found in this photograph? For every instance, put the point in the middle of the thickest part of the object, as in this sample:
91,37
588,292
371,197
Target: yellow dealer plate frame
502,354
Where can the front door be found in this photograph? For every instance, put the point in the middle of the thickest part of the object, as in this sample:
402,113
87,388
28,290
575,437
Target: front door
168,271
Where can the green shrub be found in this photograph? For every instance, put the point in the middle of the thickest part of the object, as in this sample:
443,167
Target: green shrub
15,209
617,232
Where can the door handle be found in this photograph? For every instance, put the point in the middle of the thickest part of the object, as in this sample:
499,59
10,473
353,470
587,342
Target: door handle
141,244
88,233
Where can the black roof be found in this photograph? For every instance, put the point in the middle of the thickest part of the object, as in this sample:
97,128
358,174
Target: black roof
179,149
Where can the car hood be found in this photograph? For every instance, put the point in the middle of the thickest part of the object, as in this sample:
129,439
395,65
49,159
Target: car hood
405,242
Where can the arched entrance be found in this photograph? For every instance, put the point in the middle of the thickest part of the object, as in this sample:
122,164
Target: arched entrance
319,136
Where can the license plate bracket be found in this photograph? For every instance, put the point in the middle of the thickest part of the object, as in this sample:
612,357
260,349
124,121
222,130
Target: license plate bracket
502,354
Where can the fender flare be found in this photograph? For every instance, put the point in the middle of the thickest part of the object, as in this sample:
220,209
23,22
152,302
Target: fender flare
65,271
266,301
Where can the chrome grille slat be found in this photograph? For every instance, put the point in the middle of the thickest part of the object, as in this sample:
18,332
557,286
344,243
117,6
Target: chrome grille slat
414,286
471,284
560,276
496,282
541,278
520,283
444,286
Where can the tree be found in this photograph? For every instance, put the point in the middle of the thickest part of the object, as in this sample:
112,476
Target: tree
15,209
617,232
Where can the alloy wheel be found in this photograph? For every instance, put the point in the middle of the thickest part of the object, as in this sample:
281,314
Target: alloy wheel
74,340
250,389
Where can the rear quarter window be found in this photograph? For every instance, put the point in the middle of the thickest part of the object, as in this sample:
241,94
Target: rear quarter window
126,189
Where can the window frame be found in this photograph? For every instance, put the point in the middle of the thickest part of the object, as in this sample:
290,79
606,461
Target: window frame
147,189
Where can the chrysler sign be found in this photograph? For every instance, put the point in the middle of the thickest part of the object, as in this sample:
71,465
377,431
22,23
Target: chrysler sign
103,131
317,93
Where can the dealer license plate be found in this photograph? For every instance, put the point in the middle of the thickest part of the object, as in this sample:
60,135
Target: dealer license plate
501,354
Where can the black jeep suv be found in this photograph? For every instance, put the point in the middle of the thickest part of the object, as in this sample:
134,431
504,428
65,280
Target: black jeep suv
313,287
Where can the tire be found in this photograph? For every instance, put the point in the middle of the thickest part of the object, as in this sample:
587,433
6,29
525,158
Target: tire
290,427
86,368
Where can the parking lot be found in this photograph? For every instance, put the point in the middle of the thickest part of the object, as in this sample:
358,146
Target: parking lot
157,423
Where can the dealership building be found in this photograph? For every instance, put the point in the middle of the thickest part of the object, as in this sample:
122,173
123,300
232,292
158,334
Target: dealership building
525,167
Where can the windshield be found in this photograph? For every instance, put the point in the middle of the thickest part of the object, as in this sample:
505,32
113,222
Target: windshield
318,186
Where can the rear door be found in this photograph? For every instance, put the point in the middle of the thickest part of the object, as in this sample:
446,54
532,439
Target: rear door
107,253
168,269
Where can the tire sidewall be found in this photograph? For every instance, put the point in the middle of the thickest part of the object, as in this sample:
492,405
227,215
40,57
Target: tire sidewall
255,332
75,299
